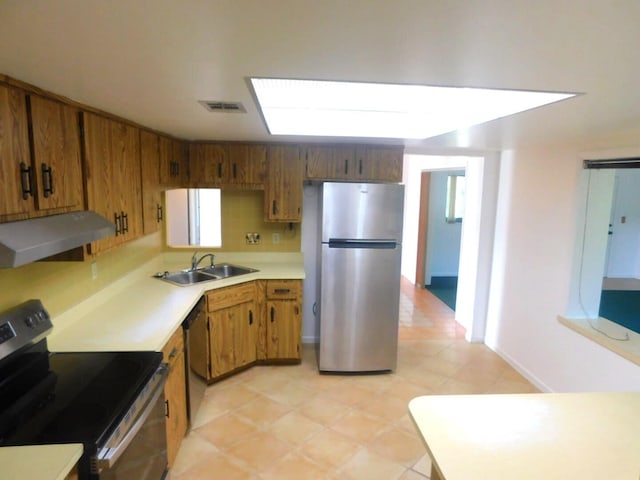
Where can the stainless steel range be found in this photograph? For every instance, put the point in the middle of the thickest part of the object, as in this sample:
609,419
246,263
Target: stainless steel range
111,402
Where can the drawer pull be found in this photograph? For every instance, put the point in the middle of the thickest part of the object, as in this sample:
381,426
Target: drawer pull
174,353
273,314
282,291
250,317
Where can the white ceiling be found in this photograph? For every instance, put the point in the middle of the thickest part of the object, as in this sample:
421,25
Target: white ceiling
152,60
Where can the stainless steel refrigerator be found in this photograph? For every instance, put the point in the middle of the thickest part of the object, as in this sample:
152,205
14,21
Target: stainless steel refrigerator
360,276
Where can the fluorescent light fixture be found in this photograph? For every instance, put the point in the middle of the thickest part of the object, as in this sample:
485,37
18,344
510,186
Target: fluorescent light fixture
352,109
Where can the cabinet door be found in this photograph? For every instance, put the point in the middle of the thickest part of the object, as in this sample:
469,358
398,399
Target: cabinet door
283,191
245,334
221,340
56,154
247,164
283,329
152,213
102,193
174,168
209,165
330,163
383,164
14,153
175,392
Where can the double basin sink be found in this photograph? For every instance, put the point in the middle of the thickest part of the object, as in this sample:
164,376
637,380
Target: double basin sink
204,274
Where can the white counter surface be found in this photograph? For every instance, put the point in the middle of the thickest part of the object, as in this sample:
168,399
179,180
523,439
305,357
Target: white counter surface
51,462
140,312
531,436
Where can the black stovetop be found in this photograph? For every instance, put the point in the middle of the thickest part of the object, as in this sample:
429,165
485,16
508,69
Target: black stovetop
69,397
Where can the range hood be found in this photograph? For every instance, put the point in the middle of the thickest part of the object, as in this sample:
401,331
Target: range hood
30,240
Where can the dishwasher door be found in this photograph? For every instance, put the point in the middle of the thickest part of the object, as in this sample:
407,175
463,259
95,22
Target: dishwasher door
196,385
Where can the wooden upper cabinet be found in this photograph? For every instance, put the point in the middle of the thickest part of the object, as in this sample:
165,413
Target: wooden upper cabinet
56,154
382,164
330,163
227,165
283,189
112,177
152,210
209,165
354,163
15,178
174,164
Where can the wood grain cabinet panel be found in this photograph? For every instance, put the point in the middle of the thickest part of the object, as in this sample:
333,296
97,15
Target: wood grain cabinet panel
14,153
112,177
220,165
330,163
174,162
283,319
283,189
175,393
209,165
379,164
152,209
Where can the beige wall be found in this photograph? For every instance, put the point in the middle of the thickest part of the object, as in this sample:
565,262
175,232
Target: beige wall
242,212
60,285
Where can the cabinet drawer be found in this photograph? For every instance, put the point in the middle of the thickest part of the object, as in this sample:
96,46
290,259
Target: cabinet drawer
230,296
283,289
174,347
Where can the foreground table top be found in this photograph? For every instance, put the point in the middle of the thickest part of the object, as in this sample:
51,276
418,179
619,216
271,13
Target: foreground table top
531,436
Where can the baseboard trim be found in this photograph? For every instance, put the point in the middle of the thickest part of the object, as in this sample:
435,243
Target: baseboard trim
539,384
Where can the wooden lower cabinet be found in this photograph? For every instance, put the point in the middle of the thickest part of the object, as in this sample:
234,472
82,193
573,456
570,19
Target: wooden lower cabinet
175,393
283,324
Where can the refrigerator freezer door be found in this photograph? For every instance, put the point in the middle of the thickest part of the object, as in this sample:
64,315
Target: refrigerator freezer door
362,210
359,309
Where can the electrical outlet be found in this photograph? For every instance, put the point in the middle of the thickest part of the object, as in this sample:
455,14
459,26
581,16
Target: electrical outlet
276,238
252,238
94,270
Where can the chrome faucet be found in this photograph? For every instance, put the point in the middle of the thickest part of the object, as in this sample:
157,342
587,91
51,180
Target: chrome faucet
195,261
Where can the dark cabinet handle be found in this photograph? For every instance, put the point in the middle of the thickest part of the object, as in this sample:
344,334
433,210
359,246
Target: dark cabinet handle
118,222
166,408
235,171
159,213
219,169
172,169
274,210
282,291
25,180
47,180
273,314
174,353
296,310
346,166
125,222
250,317
360,166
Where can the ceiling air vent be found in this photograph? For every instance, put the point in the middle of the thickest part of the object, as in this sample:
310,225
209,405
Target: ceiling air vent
223,107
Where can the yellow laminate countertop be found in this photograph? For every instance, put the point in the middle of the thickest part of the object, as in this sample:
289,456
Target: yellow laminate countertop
140,313
531,436
51,462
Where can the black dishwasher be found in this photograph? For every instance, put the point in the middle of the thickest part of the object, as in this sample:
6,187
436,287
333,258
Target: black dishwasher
196,385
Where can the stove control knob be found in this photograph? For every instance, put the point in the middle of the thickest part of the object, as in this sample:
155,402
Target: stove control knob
30,322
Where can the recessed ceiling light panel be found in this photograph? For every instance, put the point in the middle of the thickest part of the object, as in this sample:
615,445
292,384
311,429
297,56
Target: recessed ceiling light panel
352,109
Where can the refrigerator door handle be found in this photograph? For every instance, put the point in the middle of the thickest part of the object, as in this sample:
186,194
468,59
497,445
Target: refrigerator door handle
358,243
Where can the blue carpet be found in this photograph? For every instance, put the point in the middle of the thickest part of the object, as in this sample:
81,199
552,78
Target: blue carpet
622,307
446,289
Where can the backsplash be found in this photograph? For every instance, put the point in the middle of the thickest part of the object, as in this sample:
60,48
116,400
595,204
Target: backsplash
242,213
60,285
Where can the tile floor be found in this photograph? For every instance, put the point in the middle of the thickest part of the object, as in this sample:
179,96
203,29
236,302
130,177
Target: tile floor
289,422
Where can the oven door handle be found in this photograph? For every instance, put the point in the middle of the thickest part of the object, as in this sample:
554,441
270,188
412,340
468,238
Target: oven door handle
107,457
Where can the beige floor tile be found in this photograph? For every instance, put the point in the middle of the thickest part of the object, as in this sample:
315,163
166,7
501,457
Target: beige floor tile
262,411
259,451
350,394
386,406
226,430
295,467
412,475
359,426
366,465
399,446
330,448
294,428
229,397
323,409
194,449
215,467
269,382
406,423
292,394
209,410
457,387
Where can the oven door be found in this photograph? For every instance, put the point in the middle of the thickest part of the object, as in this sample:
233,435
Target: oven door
141,452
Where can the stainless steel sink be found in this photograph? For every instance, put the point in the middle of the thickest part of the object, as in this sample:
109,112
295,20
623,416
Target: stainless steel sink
226,270
206,274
